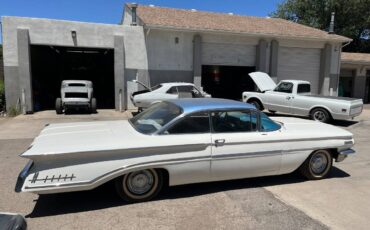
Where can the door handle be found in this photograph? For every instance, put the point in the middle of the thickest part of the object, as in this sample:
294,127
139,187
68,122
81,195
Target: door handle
288,97
219,142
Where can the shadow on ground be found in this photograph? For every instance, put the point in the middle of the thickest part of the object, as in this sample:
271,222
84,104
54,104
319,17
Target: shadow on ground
79,112
106,197
341,123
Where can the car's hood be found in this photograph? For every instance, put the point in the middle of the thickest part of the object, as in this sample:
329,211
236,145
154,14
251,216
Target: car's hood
263,81
303,128
84,137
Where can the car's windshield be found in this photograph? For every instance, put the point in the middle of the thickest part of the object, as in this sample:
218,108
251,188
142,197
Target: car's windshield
155,117
156,87
268,125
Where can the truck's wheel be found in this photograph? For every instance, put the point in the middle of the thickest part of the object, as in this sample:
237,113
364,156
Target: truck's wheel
140,185
317,165
93,105
58,106
256,104
321,115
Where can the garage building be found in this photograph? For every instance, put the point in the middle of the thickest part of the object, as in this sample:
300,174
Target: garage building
154,44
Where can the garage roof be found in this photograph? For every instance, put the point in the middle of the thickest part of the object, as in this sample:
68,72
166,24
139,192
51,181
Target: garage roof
355,58
161,17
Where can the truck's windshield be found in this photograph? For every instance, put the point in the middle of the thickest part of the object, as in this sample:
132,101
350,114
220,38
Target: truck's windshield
284,87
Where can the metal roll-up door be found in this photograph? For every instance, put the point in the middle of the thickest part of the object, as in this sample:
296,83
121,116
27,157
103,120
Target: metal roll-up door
228,54
300,64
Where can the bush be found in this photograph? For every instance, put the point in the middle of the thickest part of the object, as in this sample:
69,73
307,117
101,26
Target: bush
2,96
13,111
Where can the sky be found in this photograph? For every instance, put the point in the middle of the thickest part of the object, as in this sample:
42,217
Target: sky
110,11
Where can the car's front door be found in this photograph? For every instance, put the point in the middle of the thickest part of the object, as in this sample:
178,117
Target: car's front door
239,149
192,137
280,99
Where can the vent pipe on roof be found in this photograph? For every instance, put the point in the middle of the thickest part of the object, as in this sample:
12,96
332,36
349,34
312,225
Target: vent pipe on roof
133,14
331,26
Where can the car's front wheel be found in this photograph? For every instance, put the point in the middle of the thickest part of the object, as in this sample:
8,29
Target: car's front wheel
93,105
138,186
58,106
317,165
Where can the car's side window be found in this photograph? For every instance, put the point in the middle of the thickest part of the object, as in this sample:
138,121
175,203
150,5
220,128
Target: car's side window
193,123
233,121
284,87
172,90
185,91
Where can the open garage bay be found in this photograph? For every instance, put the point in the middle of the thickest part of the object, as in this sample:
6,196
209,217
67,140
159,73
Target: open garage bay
50,65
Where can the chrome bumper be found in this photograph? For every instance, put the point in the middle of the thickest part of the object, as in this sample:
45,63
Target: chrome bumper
342,154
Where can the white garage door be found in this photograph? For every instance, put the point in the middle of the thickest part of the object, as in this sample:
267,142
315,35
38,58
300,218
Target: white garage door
228,54
300,64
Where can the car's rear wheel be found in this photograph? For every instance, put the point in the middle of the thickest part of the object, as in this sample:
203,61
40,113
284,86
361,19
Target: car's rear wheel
58,106
321,115
317,165
93,105
140,185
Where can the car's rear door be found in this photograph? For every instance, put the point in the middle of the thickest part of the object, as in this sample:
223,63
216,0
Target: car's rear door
239,149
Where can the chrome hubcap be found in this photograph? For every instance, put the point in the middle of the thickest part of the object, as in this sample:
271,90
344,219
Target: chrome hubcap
319,116
318,163
140,182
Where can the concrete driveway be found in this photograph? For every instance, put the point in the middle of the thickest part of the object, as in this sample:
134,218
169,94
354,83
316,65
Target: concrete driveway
280,202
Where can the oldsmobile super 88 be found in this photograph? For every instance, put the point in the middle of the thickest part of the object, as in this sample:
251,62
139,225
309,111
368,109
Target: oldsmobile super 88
179,142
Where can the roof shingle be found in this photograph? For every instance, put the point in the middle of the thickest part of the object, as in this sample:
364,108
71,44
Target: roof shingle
153,16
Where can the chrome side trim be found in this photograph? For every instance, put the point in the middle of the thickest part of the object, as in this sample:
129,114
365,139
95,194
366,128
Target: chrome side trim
290,140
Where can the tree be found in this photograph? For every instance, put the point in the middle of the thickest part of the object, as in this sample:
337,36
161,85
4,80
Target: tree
352,18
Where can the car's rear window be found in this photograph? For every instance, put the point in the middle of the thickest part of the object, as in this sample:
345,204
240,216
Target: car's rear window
304,88
155,117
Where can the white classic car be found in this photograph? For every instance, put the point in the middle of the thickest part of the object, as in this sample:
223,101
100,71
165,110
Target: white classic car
75,94
294,97
179,142
165,91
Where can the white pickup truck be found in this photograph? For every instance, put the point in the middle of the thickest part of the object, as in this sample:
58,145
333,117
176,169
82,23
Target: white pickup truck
294,97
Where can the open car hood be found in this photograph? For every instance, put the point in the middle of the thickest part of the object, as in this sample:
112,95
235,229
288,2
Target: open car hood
263,81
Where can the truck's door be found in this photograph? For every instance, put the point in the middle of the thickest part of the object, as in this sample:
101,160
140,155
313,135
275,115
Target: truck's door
280,99
300,104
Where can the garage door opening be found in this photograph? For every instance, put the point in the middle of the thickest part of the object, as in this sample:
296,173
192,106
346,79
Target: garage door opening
227,81
50,65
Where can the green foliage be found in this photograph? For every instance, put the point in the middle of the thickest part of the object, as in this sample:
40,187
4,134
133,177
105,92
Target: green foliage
352,18
13,111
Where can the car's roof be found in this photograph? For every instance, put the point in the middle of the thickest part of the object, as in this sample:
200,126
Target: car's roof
190,105
76,81
175,83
